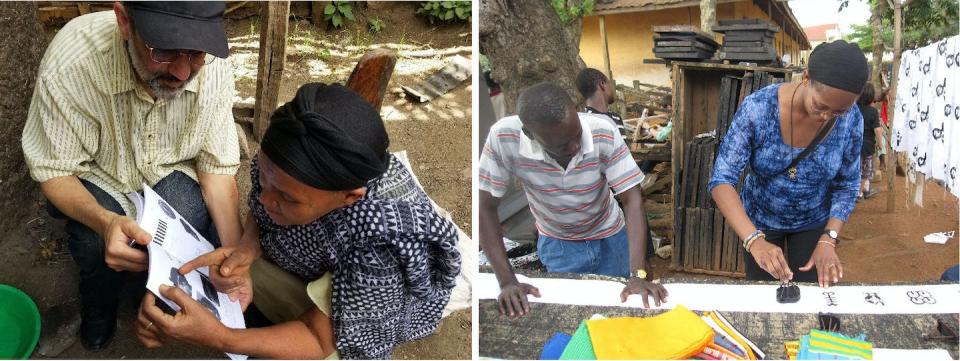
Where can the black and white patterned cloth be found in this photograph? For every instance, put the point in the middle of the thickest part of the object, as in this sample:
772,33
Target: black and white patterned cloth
394,262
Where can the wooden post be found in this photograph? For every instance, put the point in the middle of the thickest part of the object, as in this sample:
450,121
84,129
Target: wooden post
891,108
371,76
708,16
606,50
273,54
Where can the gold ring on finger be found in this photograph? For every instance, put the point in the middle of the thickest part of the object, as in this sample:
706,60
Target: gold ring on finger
149,325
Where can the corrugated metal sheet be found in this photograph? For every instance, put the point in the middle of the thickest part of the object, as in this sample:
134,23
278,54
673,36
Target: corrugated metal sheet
613,6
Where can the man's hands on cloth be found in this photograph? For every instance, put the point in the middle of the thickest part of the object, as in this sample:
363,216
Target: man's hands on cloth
229,271
637,285
828,264
194,323
120,254
513,298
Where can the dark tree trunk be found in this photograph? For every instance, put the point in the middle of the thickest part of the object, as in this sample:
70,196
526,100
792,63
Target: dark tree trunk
21,48
527,43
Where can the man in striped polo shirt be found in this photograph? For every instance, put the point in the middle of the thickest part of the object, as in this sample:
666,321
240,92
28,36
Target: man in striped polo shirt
567,163
126,97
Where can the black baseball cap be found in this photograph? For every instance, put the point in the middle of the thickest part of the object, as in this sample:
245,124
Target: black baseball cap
193,25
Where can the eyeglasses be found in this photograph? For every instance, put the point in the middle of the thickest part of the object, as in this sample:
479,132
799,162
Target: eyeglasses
167,56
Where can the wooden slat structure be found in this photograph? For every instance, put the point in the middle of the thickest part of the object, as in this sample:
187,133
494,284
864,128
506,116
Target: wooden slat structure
705,99
273,55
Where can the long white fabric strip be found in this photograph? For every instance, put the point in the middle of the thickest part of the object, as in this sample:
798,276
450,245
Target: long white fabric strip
900,299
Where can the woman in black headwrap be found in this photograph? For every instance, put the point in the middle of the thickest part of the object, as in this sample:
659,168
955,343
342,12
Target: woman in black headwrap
355,259
802,142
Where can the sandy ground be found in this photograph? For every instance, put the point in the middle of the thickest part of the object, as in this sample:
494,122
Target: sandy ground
436,136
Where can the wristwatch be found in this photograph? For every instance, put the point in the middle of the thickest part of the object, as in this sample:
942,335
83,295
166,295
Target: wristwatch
640,273
832,233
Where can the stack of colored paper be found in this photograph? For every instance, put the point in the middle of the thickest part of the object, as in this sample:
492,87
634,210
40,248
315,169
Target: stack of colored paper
823,345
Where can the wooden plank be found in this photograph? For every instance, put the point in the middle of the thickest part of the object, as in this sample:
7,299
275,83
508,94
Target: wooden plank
717,236
748,37
679,244
605,48
690,244
450,76
706,238
684,43
745,43
697,54
746,27
273,54
676,163
371,76
758,50
756,57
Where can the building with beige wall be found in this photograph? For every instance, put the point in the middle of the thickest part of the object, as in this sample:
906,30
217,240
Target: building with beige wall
629,32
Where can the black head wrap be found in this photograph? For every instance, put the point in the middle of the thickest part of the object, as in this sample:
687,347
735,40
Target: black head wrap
839,64
327,137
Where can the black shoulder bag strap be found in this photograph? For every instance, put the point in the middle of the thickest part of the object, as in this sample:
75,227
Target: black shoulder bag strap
792,168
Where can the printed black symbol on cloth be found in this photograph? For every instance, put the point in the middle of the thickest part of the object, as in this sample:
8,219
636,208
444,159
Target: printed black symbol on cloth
956,112
831,298
937,133
947,109
942,47
166,209
941,88
952,59
922,161
899,138
953,173
903,107
926,67
924,114
873,298
907,69
921,297
912,124
914,90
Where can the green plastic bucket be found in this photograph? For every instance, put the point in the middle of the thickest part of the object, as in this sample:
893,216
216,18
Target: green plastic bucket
19,324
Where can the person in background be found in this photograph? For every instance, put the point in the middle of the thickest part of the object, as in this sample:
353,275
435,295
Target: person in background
599,92
871,133
802,141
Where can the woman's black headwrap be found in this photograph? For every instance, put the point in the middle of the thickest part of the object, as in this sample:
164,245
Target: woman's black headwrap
327,137
839,64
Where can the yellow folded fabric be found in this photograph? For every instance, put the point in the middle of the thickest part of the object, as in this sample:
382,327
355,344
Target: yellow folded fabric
673,335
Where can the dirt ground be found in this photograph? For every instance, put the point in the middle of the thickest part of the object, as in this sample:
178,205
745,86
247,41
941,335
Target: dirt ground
436,136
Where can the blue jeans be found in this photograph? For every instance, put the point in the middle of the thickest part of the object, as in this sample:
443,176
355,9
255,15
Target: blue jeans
606,256
952,274
100,285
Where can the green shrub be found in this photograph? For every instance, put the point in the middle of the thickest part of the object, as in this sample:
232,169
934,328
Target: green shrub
446,11
375,25
336,11
568,11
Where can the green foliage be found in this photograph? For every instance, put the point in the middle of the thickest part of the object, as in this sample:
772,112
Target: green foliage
375,25
924,22
568,10
336,11
446,11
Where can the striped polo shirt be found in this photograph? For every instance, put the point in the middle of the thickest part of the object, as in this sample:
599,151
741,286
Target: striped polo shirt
90,118
575,203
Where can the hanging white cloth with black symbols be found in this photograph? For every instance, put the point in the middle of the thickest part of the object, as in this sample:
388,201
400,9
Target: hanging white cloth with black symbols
926,123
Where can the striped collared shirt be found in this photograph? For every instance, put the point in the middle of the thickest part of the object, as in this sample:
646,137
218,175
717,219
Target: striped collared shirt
575,203
89,117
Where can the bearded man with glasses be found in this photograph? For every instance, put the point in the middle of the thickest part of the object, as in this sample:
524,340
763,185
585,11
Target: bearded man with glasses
138,95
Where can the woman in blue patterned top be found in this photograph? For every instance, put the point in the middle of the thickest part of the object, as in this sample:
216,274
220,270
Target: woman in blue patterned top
354,259
789,219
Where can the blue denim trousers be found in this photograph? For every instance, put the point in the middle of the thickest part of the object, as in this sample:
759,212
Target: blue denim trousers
606,256
100,285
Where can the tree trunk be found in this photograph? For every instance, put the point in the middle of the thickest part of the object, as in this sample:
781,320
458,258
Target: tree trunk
876,14
708,15
21,48
527,43
891,108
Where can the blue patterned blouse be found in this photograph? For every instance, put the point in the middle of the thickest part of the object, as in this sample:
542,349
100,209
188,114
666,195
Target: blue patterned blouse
827,180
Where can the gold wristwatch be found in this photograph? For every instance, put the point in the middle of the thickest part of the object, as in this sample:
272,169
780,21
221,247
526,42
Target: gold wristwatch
640,273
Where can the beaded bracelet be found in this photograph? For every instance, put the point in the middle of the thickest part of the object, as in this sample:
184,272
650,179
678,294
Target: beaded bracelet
747,242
